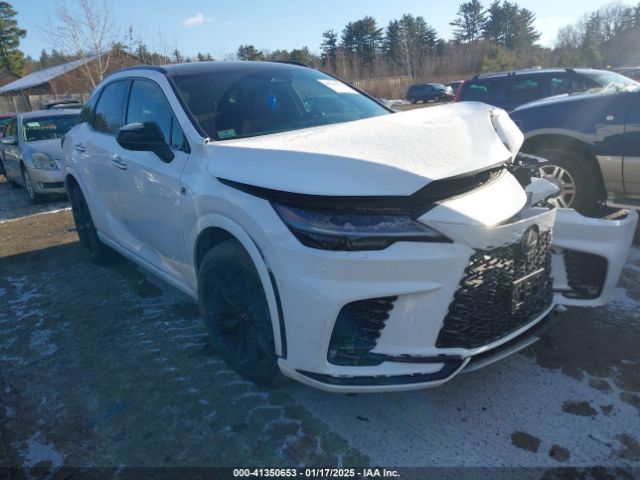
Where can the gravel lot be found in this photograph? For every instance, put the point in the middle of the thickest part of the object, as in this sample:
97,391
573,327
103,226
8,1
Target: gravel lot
109,367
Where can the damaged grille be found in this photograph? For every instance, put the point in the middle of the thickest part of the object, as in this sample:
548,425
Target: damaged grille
356,331
586,273
502,290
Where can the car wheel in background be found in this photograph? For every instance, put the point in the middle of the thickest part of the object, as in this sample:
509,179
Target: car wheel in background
413,100
99,253
235,312
34,197
573,174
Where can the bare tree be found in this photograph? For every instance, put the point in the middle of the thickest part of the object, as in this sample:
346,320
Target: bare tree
84,29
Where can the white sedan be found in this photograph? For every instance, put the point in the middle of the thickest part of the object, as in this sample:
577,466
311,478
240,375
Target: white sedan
324,236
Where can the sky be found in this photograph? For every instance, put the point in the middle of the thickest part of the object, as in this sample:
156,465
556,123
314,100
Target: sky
219,27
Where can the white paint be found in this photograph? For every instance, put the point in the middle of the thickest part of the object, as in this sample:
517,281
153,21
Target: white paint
387,155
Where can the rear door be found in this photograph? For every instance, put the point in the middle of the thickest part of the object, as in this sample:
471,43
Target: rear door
523,89
149,188
98,147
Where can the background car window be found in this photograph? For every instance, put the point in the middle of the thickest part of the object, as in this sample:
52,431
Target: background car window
147,103
108,117
524,89
10,130
4,122
486,90
566,84
47,128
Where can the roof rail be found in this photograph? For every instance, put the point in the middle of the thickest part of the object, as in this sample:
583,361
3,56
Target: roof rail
156,68
291,62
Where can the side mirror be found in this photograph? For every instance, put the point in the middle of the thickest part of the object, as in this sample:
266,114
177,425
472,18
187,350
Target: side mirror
9,141
145,137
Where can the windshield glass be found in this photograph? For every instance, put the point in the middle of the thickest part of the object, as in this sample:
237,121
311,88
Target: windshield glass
47,128
610,78
238,103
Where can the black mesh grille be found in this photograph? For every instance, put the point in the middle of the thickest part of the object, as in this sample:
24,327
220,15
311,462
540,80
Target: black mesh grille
356,331
586,273
502,290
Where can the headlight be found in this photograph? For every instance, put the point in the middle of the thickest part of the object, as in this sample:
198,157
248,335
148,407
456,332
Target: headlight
42,161
354,230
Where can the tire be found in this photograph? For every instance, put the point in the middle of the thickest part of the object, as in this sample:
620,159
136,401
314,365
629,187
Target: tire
413,100
571,170
234,309
99,253
34,197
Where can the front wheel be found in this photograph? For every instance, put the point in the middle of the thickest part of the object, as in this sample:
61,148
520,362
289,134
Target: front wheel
413,100
576,178
234,309
34,197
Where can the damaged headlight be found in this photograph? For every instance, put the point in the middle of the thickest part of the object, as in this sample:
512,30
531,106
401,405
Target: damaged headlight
354,230
525,167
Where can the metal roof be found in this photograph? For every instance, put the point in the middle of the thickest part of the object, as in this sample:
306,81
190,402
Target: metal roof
43,76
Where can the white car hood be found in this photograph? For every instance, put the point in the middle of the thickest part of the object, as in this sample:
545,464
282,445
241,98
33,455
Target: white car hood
394,154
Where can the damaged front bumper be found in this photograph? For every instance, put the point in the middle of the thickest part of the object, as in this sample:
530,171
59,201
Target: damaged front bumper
415,315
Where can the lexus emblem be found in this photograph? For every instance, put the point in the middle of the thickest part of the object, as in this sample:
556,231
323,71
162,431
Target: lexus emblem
529,240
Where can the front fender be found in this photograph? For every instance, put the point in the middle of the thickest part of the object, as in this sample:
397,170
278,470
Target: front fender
225,223
589,255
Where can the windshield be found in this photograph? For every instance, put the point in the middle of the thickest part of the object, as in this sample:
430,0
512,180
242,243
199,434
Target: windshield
237,103
610,78
47,128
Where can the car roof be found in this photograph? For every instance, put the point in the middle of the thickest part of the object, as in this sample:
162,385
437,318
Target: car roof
180,69
50,113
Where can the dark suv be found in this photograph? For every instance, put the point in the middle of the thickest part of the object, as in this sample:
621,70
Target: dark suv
426,92
509,90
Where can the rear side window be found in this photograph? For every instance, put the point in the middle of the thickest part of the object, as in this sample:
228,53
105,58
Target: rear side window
566,84
147,103
486,90
86,114
524,89
108,117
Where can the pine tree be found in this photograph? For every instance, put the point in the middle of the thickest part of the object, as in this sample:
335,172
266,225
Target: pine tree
329,48
11,58
469,22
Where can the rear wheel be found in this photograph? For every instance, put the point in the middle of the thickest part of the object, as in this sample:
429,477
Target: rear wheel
99,253
234,308
575,176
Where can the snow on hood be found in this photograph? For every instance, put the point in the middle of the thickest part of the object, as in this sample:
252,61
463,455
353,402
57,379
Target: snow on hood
395,154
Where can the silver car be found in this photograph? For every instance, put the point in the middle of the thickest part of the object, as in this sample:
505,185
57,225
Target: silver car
31,151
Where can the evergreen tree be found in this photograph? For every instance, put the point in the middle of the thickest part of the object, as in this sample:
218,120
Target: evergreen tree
469,22
249,52
11,58
329,48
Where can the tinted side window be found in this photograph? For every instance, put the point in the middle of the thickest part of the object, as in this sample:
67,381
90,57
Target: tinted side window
108,117
524,89
86,114
9,130
147,103
560,84
486,90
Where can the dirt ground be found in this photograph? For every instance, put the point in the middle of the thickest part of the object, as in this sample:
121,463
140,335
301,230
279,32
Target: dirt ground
110,367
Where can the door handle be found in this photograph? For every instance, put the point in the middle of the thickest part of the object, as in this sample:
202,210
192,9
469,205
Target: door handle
78,147
119,162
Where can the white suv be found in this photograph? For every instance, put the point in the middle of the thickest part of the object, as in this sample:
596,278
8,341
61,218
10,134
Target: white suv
323,235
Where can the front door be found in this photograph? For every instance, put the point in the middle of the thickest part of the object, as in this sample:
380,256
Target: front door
149,188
